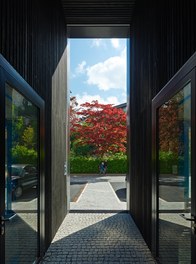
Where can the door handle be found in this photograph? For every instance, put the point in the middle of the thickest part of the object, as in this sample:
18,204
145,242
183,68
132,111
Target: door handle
191,219
3,220
2,225
7,216
187,218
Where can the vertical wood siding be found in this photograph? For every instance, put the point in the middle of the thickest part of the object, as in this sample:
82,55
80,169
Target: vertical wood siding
33,39
163,38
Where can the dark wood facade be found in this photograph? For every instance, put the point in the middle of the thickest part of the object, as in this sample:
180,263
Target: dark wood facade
98,12
162,40
33,41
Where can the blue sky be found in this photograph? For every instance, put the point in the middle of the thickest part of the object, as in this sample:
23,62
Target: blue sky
98,70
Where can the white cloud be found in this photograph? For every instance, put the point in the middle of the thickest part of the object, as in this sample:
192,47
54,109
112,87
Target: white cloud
115,43
98,43
124,96
89,98
110,74
81,68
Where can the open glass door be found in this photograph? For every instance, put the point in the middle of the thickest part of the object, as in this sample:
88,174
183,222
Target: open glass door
174,170
174,179
21,178
20,186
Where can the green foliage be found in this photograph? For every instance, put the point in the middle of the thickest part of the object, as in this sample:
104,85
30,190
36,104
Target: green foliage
29,137
80,150
22,154
84,165
83,150
18,126
115,164
166,160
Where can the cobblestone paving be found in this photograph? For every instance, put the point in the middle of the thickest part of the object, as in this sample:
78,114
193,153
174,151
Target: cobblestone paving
98,238
21,239
175,239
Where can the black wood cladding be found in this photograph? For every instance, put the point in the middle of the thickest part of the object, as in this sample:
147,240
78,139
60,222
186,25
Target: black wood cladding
33,39
98,11
162,40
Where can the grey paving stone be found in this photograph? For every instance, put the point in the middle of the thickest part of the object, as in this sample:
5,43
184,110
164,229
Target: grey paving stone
89,238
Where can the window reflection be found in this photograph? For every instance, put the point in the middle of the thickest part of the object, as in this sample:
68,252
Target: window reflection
175,178
22,174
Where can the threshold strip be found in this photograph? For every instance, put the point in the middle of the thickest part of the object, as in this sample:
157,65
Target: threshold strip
98,211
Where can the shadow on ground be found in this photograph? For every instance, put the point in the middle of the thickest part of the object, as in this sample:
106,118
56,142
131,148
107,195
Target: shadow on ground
104,239
76,188
120,190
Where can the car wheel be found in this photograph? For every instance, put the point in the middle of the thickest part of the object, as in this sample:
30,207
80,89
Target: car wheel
18,192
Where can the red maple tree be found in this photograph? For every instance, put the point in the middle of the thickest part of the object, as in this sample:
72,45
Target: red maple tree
171,125
101,126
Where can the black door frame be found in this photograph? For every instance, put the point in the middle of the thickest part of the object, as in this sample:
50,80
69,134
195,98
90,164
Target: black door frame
10,76
185,75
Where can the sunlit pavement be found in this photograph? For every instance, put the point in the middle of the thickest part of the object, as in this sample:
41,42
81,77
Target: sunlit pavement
98,238
98,193
88,236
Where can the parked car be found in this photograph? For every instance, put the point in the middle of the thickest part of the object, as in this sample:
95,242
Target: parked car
23,176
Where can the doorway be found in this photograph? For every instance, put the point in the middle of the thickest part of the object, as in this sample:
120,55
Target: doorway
173,111
103,33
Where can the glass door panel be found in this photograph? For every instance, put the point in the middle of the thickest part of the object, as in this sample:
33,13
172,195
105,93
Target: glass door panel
21,178
174,179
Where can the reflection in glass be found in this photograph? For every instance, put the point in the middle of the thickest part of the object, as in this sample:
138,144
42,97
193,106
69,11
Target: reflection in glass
175,178
21,178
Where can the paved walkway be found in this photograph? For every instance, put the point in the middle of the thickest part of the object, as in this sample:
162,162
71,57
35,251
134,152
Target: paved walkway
91,237
98,194
98,238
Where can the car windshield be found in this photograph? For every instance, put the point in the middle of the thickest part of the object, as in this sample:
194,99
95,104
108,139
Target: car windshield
15,171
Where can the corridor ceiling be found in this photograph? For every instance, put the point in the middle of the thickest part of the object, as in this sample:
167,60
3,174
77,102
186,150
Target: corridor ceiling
98,11
98,18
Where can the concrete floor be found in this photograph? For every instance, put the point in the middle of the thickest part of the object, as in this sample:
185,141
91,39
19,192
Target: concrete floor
98,193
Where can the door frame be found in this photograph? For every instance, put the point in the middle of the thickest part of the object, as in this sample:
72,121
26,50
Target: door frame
185,75
9,75
93,31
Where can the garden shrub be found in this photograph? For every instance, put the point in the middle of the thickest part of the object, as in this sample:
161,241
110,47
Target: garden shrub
91,165
24,155
166,161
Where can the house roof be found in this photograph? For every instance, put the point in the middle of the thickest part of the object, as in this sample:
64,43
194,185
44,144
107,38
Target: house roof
124,105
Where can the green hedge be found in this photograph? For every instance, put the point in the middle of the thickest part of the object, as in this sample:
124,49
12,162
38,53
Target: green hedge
91,165
21,154
118,164
167,160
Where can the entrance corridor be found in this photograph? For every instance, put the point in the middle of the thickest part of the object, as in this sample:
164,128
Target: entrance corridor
94,236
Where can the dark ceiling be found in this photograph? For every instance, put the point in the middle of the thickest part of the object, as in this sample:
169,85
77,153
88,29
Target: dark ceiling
98,11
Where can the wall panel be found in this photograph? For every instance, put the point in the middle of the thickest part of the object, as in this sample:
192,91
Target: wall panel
163,38
33,40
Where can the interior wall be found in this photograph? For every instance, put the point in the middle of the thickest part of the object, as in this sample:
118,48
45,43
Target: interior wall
33,40
162,40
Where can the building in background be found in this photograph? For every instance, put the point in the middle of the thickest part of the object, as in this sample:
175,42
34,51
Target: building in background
122,106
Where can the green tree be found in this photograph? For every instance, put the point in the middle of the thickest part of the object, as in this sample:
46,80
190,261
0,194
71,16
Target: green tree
29,137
